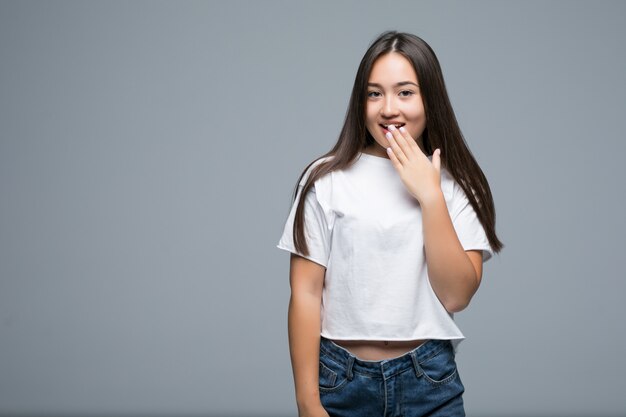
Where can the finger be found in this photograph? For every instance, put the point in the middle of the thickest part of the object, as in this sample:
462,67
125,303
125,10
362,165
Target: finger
437,159
393,144
411,143
401,141
394,159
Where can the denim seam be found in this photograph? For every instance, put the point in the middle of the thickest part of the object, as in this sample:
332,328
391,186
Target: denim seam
416,366
344,381
349,367
331,356
444,381
335,361
332,373
334,389
398,372
431,355
385,392
370,374
343,365
341,362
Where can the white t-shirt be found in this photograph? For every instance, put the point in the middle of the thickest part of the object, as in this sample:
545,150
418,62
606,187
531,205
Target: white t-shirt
366,229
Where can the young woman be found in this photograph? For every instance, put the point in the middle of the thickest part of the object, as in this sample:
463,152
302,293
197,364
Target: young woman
387,243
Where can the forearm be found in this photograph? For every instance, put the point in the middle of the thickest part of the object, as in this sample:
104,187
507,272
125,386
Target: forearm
304,341
450,270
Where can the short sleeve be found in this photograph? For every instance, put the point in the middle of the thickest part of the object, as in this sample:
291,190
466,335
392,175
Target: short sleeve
316,225
467,225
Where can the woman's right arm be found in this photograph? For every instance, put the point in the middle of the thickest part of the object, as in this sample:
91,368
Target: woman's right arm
307,280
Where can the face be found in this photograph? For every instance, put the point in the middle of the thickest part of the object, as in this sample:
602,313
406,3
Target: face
393,97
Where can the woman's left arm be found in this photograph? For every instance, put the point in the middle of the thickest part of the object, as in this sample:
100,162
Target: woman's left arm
454,273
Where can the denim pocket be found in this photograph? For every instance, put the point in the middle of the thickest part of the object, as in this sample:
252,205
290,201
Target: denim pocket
440,368
332,376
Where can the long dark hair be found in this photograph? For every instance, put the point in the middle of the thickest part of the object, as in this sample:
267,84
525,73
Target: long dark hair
442,131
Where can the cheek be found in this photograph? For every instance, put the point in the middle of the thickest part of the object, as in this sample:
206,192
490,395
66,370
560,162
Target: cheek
419,118
370,115
417,112
372,126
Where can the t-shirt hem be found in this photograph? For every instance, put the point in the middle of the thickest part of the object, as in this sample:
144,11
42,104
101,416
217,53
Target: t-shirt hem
395,338
310,258
487,251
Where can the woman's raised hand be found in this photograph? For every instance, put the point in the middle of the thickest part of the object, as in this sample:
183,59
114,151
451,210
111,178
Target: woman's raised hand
421,177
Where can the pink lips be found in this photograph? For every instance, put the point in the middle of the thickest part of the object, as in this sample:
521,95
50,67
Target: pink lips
385,130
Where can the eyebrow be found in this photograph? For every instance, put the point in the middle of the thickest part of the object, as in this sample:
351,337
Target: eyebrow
401,83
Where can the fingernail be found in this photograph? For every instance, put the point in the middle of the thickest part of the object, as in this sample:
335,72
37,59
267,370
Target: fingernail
402,129
388,135
388,150
391,127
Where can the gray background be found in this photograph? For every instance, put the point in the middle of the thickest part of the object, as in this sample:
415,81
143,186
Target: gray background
148,151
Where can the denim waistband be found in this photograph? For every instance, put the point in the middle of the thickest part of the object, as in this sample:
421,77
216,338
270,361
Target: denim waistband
386,367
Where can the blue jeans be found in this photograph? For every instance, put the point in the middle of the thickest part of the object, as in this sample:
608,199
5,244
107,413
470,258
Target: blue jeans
422,382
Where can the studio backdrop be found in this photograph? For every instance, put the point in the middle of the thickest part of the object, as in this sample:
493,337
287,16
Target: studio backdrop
148,155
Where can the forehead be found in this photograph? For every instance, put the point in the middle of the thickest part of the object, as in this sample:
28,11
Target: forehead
391,68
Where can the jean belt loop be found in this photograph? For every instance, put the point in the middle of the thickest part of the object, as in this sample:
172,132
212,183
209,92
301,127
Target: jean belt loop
349,370
416,365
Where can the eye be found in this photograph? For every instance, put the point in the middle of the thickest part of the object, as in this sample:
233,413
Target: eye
373,94
406,93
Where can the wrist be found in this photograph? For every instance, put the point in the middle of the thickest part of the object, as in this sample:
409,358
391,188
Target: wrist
432,197
308,402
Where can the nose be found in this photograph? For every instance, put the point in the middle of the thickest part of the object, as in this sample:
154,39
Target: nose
389,108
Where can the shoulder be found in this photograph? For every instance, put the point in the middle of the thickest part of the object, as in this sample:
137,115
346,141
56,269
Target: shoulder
311,166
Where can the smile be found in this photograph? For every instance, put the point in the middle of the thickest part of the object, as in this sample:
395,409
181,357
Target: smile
384,126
